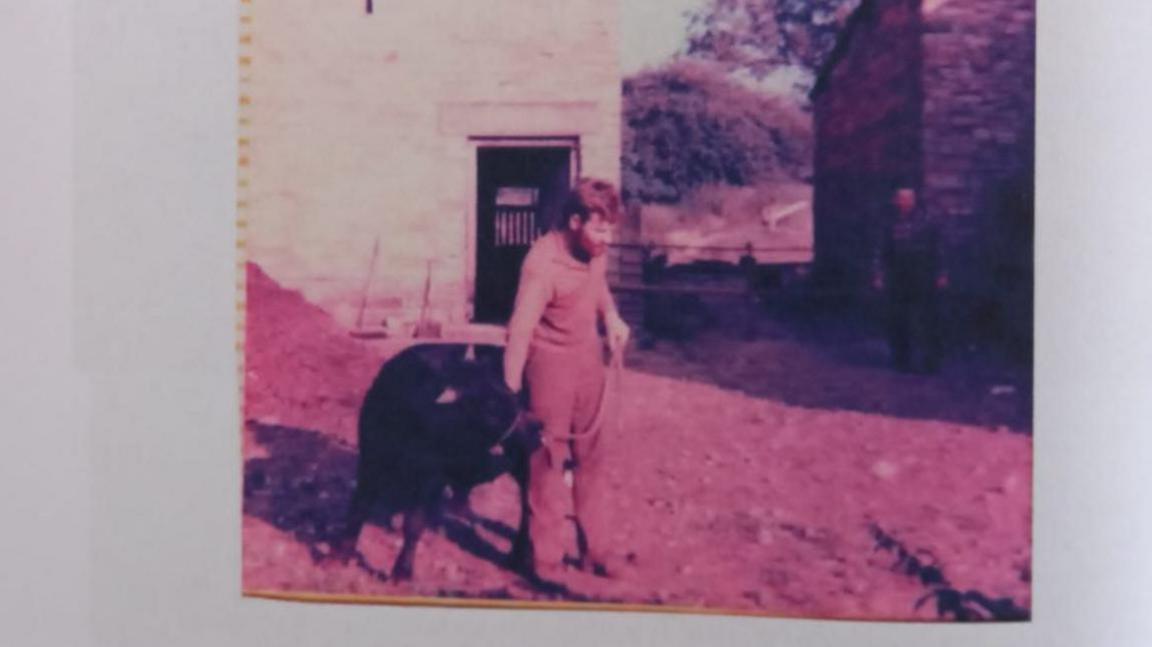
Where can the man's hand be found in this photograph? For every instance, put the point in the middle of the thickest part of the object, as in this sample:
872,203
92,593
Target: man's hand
942,282
514,384
878,281
618,332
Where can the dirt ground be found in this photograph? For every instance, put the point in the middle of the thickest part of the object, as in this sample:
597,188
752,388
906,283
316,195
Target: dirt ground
779,476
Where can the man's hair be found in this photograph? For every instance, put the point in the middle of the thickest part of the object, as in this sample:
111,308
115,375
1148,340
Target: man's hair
590,196
901,183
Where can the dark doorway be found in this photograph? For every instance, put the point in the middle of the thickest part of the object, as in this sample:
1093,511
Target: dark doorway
519,194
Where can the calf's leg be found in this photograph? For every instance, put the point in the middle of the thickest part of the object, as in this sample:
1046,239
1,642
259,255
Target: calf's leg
416,520
520,559
369,488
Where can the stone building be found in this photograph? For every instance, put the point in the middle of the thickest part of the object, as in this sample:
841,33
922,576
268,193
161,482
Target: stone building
419,145
938,94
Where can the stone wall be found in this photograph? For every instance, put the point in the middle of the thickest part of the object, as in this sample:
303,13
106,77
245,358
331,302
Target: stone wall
867,117
356,131
979,75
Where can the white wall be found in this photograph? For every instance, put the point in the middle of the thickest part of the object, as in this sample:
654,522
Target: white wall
358,128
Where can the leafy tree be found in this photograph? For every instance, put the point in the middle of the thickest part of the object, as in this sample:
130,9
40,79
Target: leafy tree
758,37
687,124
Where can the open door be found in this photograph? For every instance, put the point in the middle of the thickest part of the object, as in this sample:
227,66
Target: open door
519,195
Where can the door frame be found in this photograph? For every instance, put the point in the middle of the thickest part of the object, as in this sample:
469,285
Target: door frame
571,142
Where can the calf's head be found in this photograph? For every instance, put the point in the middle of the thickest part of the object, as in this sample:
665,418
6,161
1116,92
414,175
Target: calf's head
495,414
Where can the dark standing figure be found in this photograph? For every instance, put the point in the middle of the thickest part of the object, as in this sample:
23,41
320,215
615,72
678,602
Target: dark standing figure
910,271
751,271
655,304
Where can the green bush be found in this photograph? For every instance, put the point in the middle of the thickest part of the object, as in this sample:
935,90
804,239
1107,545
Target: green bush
687,124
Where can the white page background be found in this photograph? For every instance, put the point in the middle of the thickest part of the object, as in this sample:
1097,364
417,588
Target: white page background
119,450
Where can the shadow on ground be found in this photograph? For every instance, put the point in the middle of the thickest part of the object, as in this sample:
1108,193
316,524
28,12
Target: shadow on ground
304,481
825,362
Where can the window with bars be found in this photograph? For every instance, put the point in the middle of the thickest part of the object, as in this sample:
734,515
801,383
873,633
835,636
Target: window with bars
515,218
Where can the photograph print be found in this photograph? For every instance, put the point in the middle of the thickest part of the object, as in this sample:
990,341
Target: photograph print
694,306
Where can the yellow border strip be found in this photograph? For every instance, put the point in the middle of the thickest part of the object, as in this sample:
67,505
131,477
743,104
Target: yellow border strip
568,605
243,198
488,603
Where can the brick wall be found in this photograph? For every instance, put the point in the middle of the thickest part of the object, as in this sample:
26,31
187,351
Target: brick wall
358,133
